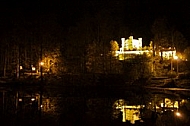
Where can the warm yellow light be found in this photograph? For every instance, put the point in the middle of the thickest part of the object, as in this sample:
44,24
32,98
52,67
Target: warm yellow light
175,57
178,114
33,68
162,104
21,68
41,63
32,99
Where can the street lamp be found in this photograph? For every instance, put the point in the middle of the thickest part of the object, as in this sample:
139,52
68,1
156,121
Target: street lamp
33,68
41,63
40,67
178,114
176,58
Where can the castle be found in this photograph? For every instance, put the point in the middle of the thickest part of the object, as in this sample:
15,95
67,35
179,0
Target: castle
131,47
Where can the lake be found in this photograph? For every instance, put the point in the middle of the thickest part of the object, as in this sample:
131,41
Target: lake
94,106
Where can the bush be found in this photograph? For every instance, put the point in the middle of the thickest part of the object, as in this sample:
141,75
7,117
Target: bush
172,74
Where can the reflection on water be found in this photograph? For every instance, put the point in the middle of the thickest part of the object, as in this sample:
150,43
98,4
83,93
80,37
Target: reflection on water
159,106
164,103
159,109
129,112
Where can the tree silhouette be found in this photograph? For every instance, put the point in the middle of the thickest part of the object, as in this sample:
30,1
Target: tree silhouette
167,36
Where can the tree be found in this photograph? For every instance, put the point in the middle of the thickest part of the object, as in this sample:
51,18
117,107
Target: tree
187,53
160,31
53,62
167,36
187,58
138,67
95,58
100,28
161,67
100,60
114,47
179,41
50,37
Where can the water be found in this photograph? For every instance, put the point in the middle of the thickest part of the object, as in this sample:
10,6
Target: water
95,106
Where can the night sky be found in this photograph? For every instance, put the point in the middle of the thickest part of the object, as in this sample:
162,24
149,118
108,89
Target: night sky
138,15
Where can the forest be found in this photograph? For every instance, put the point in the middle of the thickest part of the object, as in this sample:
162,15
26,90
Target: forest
81,48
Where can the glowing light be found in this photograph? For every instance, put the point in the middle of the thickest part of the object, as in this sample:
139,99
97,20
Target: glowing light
167,54
20,99
41,63
41,106
169,103
32,99
21,68
175,57
178,114
33,68
132,115
162,104
131,44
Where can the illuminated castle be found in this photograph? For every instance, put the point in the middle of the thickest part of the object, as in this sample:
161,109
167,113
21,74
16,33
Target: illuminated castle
131,47
131,44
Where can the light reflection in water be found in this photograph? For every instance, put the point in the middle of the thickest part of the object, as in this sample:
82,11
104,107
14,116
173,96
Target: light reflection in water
166,104
133,113
129,112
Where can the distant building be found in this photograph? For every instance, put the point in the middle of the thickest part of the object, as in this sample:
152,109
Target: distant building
131,44
131,47
166,53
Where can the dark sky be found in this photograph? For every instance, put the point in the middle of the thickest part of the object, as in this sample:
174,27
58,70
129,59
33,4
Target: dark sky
138,14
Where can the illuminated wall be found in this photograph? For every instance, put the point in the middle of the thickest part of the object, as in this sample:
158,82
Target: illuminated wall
131,44
129,113
131,47
167,54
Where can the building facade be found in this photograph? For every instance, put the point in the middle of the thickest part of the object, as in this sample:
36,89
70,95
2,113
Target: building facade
131,47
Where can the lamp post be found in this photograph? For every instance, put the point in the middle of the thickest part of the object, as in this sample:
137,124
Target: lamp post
176,58
40,67
41,63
